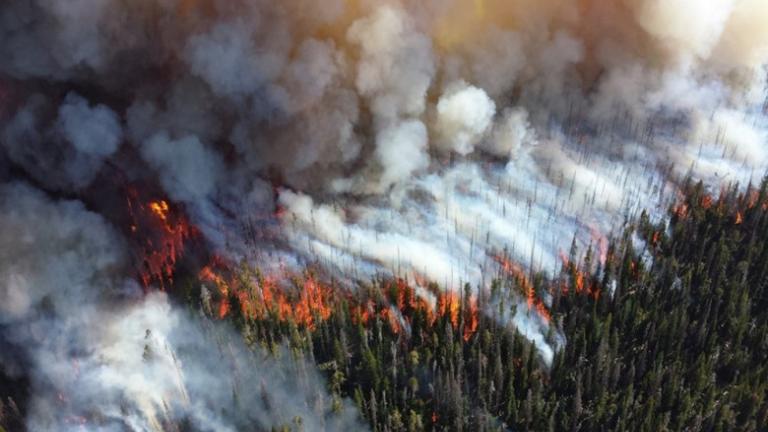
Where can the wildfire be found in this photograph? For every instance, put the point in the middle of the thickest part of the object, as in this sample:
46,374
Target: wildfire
516,272
265,298
753,198
207,274
306,301
159,208
655,238
579,281
314,301
472,320
579,278
744,202
681,210
161,234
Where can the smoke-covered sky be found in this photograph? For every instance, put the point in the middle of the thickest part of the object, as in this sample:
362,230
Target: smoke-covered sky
418,138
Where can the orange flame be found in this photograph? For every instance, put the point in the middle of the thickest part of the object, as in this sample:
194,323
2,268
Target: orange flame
223,308
161,234
313,302
543,312
753,198
580,279
681,210
160,208
471,321
655,238
207,274
516,272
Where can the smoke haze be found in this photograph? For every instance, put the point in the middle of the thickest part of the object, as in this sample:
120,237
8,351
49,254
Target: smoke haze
412,138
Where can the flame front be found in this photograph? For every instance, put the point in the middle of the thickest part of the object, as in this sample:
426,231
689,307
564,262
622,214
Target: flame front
159,208
306,301
161,235
516,272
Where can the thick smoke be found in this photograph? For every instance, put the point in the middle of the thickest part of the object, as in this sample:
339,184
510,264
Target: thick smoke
62,148
390,137
464,114
103,357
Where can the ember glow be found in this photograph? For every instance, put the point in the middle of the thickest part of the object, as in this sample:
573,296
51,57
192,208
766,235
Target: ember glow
516,272
261,297
161,236
160,209
304,300
579,277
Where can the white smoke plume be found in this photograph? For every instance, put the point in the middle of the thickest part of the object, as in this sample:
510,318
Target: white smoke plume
399,137
104,358
464,114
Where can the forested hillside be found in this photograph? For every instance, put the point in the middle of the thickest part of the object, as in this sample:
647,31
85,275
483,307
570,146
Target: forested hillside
665,329
670,333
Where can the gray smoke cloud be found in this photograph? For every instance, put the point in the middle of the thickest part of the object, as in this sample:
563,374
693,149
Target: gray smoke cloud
103,357
62,148
411,137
